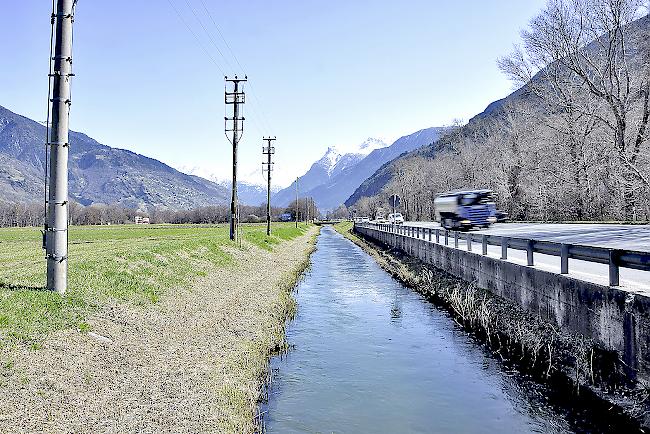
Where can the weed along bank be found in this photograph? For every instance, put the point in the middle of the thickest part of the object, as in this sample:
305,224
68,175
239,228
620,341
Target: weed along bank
591,335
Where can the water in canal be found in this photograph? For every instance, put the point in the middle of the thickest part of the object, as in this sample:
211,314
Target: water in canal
370,355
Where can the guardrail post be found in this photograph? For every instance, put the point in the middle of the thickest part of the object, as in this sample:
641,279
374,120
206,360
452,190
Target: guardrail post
564,259
504,248
485,244
437,236
469,241
614,272
446,237
429,234
529,252
456,239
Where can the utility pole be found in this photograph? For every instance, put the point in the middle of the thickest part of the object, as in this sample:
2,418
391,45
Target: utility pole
268,150
235,98
297,206
56,219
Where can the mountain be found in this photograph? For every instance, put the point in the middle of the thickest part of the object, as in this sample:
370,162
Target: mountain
329,166
331,191
250,194
340,187
97,173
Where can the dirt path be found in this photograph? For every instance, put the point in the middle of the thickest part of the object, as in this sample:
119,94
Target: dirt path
192,363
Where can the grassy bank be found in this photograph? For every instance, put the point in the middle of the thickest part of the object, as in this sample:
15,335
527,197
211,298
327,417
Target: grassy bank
163,328
135,264
344,229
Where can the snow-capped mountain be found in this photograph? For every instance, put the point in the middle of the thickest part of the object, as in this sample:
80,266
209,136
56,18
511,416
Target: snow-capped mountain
329,160
370,145
334,177
336,160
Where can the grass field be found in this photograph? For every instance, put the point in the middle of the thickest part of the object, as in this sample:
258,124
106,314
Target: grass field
132,264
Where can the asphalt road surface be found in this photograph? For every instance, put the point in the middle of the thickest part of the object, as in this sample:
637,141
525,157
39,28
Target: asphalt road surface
628,237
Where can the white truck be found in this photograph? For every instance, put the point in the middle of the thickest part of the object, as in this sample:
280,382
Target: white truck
465,209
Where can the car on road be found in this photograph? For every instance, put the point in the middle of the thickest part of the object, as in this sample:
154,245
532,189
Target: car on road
396,219
465,209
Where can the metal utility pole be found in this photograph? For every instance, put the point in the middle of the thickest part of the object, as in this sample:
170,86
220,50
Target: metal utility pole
297,206
56,220
235,98
268,150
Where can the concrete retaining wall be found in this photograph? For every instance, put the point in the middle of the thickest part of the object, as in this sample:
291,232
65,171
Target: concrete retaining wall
616,319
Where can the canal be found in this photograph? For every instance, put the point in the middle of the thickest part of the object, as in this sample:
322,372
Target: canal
370,355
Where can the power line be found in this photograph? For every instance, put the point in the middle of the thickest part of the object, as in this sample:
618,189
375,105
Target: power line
243,71
259,104
259,122
209,34
263,119
196,37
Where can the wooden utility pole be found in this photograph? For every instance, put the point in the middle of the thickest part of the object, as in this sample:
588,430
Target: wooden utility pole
56,220
297,206
235,98
268,150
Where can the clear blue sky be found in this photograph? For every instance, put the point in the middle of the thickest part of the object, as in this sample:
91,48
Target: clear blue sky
322,72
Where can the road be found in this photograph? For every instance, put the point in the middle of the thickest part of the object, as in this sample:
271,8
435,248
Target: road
628,237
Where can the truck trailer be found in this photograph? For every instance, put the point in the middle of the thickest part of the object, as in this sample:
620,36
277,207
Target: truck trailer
465,209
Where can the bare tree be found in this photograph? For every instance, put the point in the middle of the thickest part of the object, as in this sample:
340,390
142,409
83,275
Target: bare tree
595,46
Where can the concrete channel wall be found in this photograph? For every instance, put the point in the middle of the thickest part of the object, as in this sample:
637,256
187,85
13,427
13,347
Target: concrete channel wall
616,319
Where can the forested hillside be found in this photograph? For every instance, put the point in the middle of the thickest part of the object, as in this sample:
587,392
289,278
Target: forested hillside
570,144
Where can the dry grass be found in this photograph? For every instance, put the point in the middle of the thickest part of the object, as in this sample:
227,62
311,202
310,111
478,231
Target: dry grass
193,361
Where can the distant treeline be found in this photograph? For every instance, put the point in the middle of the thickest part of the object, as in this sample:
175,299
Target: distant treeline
32,214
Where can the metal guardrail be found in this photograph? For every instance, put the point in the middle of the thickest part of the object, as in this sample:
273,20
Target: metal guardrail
614,258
